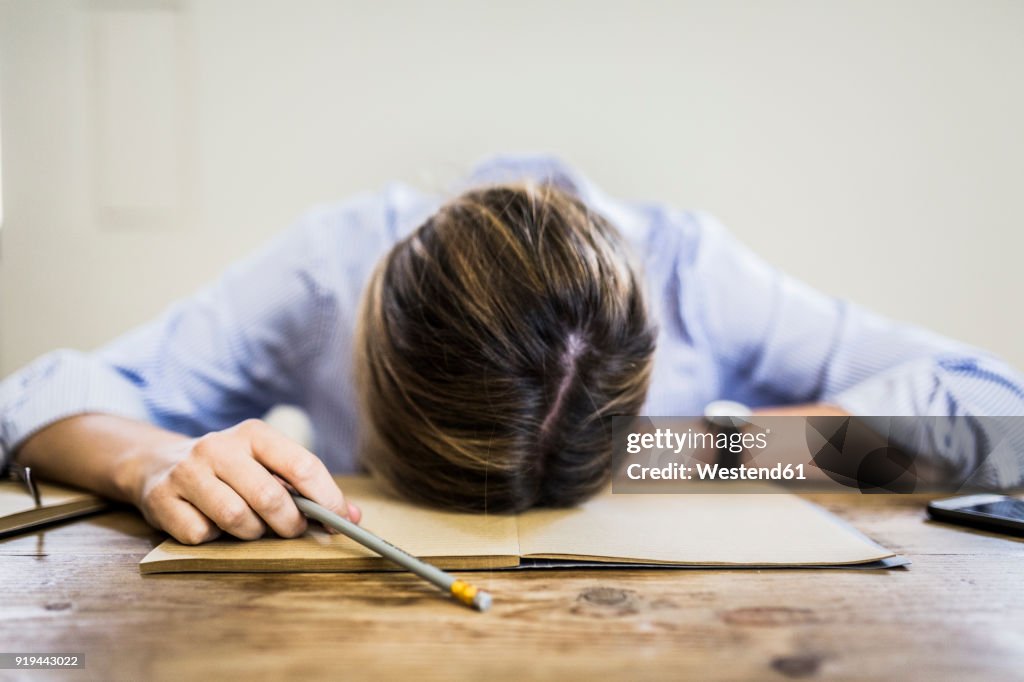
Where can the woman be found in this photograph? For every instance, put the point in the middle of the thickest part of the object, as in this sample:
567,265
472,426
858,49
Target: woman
470,351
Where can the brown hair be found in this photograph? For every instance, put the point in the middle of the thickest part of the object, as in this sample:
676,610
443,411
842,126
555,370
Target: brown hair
495,342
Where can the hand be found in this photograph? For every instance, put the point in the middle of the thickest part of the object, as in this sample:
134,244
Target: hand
231,481
789,446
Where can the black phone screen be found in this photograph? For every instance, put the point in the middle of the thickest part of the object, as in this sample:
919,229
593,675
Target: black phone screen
1006,509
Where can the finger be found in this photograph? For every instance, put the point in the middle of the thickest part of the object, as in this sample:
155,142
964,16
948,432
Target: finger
225,507
184,522
263,493
355,514
299,467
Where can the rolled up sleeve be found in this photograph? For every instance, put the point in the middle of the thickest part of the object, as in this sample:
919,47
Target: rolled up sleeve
58,385
980,436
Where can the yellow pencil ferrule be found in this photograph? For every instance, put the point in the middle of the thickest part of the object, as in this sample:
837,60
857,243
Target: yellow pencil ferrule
464,592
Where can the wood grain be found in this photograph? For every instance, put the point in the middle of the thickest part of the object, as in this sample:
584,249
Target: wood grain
954,614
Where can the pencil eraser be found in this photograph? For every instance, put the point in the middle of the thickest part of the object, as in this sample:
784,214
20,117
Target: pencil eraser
482,601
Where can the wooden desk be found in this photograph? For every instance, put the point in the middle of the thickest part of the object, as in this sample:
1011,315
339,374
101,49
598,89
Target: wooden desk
956,614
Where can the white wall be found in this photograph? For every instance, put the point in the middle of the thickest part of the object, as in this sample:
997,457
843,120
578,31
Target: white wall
873,148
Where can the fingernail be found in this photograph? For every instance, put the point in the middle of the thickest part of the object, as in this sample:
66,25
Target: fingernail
354,513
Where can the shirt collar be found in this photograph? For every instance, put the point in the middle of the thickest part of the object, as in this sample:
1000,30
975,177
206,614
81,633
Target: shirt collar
540,167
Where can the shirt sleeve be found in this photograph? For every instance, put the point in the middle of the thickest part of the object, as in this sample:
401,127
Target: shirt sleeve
233,350
781,341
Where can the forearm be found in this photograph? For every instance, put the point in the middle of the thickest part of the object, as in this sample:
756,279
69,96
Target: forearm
98,452
805,410
927,469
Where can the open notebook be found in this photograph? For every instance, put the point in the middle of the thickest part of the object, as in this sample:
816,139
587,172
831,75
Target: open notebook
18,511
666,530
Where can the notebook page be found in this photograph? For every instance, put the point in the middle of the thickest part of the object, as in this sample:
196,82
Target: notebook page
697,529
15,498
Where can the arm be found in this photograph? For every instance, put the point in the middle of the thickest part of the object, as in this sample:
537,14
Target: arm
780,342
119,421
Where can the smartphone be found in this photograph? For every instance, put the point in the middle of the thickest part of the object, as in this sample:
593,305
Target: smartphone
993,512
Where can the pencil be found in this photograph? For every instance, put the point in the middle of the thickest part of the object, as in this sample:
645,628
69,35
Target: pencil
461,590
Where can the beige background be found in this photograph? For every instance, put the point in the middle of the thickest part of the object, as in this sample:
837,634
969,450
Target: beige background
872,148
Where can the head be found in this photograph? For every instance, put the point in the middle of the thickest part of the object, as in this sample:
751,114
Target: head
494,345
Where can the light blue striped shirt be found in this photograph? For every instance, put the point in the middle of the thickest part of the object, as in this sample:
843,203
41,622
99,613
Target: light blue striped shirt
277,328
